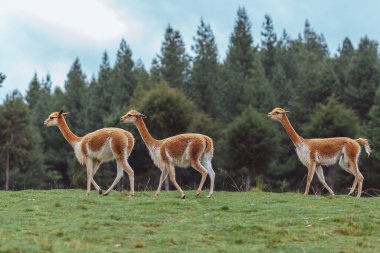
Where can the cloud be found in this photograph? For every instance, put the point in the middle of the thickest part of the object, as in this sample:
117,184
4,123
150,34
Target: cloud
46,36
91,19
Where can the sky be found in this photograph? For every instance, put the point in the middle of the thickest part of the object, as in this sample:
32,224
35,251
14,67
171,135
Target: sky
44,36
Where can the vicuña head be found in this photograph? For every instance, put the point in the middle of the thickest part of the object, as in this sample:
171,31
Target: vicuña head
52,120
131,116
277,113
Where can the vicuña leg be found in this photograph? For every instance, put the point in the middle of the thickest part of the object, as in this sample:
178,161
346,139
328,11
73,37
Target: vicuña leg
310,175
354,184
345,165
117,179
353,187
171,171
131,174
95,167
358,178
199,167
211,173
89,165
321,178
164,174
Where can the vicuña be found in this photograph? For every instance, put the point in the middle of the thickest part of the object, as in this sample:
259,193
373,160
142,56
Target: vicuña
182,150
96,147
315,153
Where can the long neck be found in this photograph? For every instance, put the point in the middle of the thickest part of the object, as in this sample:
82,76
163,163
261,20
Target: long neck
290,130
66,132
145,135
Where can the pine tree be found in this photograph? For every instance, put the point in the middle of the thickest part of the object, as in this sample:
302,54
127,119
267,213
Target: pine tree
155,71
282,86
145,81
247,141
76,99
342,64
243,80
268,46
313,77
363,78
20,145
33,92
240,54
173,60
313,42
123,80
315,83
100,95
204,74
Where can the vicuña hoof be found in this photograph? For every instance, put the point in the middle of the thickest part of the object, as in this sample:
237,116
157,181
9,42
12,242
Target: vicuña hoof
183,197
105,194
100,191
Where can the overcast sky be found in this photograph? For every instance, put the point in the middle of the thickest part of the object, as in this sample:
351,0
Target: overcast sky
45,36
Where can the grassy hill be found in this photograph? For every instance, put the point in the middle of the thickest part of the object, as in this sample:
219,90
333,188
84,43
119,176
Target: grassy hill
70,221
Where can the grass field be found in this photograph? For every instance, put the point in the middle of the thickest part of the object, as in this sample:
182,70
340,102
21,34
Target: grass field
70,221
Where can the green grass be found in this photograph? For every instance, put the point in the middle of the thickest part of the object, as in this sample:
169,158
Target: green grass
70,221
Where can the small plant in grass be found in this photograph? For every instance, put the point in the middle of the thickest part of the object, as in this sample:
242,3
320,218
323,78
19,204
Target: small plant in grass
139,244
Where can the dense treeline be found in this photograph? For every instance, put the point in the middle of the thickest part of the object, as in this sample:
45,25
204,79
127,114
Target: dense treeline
328,95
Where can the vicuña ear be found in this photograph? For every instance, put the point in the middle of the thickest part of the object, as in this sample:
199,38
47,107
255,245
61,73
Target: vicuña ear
65,114
60,112
142,116
287,111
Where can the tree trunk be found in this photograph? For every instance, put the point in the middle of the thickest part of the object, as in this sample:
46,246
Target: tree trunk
6,187
247,183
166,183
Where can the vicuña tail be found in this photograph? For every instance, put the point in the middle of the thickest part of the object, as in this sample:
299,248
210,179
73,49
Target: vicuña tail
365,143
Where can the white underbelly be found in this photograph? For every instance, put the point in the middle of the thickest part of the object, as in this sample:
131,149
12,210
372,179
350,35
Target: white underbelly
326,160
182,162
104,154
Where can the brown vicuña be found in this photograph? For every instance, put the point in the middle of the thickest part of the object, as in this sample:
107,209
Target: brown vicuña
315,153
182,150
96,147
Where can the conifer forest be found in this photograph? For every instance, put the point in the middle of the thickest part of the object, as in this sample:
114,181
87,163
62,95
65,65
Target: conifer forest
226,95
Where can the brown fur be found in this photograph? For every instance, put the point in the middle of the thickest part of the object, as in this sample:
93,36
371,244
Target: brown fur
315,153
182,150
96,147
